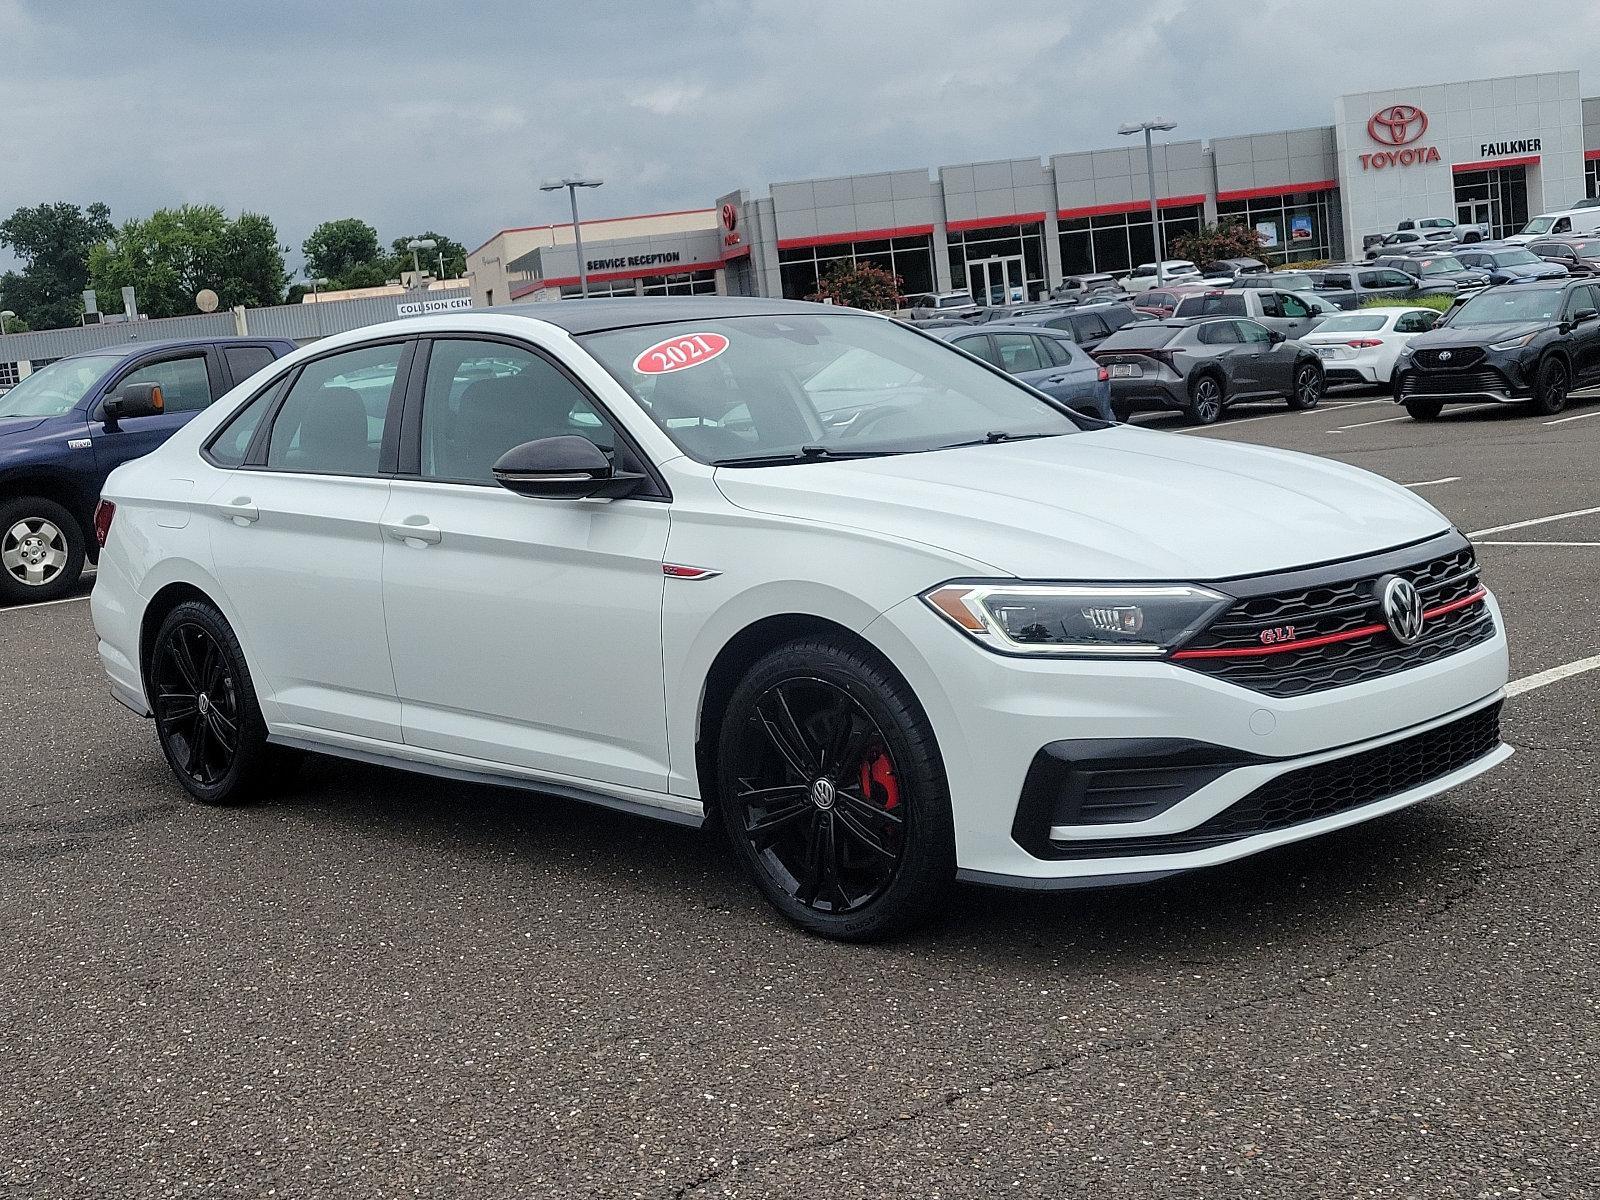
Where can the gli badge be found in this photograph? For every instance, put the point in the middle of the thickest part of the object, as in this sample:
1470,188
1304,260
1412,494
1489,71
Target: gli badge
1402,608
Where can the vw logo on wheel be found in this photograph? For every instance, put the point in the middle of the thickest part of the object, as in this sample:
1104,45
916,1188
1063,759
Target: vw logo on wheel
1397,125
823,793
1402,608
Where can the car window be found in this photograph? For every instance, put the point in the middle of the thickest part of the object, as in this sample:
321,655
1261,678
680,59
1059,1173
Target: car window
56,388
1507,304
1415,322
1249,331
245,361
332,420
1018,352
1270,306
1579,299
230,446
1058,350
1293,306
979,345
483,398
1334,281
1220,333
1088,326
1219,305
1564,225
185,384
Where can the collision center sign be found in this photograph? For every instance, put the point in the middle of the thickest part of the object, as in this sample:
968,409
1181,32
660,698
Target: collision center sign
420,308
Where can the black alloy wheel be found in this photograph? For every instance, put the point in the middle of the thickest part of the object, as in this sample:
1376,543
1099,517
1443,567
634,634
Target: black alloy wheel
1424,410
831,790
1205,400
1550,395
1307,387
205,709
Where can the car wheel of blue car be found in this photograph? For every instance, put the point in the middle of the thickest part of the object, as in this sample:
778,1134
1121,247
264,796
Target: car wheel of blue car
41,550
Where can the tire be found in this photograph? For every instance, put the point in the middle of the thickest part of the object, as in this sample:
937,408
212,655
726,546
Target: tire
1205,400
42,549
1308,385
855,853
1550,393
207,719
1424,410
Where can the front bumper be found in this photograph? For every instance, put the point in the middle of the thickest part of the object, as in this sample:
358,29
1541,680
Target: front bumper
1494,378
993,715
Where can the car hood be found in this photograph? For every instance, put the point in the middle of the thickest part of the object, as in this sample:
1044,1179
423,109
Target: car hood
10,425
1474,335
1115,503
1530,271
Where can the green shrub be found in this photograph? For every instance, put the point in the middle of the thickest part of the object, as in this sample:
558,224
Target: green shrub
1439,303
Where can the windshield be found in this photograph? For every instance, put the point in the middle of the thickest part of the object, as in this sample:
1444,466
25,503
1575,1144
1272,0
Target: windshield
1517,258
1352,323
1291,281
1448,265
793,388
1499,305
1539,225
53,390
1211,306
1587,249
954,301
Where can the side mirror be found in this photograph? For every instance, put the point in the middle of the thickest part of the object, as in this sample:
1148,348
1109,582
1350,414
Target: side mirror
562,468
135,400
1274,336
1584,314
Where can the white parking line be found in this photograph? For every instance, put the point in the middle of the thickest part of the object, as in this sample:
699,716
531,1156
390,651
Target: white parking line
42,604
1554,675
1577,512
1364,424
1432,482
1482,543
1579,417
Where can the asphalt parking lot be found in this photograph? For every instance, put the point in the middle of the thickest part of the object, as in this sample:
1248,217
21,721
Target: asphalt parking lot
379,985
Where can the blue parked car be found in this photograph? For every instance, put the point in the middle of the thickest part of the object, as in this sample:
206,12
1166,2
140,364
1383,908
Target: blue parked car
1510,264
1044,358
68,425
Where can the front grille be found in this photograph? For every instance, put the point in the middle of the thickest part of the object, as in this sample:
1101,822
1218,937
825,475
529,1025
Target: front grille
1350,603
1452,383
1324,790
1457,358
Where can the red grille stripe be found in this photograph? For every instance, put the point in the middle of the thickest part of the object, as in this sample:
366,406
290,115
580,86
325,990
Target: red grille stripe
1349,635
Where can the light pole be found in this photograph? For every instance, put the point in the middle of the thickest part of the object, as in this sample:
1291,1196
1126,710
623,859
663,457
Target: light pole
317,281
572,185
5,316
1150,173
416,244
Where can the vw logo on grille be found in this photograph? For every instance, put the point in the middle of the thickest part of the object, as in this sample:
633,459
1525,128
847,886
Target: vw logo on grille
823,793
1402,608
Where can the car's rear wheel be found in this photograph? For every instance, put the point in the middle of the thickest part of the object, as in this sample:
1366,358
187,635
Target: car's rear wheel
1205,400
1307,392
1550,394
1424,410
207,717
833,793
41,550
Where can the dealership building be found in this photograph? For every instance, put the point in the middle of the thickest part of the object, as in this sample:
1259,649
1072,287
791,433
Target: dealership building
1488,152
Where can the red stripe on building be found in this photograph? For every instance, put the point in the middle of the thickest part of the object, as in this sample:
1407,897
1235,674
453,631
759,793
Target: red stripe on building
1282,189
1128,206
992,222
860,235
1591,155
1490,164
613,276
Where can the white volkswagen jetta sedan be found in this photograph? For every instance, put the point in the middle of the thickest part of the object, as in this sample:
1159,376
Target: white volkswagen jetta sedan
895,617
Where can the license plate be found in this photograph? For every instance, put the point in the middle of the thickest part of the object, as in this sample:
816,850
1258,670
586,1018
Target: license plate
1324,351
1125,370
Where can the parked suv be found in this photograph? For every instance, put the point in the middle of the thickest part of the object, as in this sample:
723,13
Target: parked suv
933,306
1508,264
1199,368
1047,359
1409,239
1282,312
1434,269
65,427
1580,256
1086,324
1536,343
1081,287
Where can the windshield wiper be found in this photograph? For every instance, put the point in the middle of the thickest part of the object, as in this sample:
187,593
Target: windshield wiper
995,436
805,454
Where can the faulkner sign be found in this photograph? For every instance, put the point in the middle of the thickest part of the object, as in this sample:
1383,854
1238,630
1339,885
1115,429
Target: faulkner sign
1502,149
634,260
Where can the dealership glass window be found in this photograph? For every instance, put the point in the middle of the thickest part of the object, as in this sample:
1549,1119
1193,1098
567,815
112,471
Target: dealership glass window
1297,227
1498,198
597,291
1002,241
911,258
1120,241
9,375
1591,176
685,283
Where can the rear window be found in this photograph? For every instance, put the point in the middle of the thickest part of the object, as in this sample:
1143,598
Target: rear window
1211,306
1353,323
1147,335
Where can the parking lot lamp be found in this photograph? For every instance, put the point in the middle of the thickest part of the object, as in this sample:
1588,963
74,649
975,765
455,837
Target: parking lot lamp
1150,173
572,185
416,244
5,316
318,281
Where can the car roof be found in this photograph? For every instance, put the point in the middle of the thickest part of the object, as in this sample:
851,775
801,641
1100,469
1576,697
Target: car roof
129,349
592,316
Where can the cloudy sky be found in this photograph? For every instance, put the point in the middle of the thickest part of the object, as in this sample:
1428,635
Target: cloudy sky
445,115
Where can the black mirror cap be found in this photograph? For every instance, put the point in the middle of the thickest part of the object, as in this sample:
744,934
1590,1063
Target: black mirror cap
1275,336
135,400
1585,314
562,468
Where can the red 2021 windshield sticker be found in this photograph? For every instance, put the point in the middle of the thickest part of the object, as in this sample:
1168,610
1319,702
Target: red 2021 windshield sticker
680,353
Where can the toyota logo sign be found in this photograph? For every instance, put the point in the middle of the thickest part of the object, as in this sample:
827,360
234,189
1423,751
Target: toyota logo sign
730,217
1397,125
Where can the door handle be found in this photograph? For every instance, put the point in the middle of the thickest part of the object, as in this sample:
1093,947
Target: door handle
414,529
1055,378
240,511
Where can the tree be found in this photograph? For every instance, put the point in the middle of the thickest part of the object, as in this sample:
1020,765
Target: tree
860,285
336,247
1233,239
53,241
455,254
174,253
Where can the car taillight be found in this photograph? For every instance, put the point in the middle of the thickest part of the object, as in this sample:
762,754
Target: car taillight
1364,343
104,511
1102,375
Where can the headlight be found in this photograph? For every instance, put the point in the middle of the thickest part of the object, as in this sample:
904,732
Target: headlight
1515,343
1094,620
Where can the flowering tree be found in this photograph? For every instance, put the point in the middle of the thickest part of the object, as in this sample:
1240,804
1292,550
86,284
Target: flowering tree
1232,239
860,285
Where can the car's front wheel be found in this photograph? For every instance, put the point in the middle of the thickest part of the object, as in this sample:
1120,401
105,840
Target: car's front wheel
207,718
1424,410
833,793
1550,393
1307,393
42,550
1205,400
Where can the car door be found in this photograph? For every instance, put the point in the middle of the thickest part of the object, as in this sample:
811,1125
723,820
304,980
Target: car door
1585,337
1297,319
523,632
298,547
1272,363
190,378
1224,344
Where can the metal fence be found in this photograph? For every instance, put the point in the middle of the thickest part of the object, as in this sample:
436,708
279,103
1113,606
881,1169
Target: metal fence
301,322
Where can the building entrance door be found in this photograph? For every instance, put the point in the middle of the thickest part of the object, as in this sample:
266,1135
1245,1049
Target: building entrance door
1474,214
997,281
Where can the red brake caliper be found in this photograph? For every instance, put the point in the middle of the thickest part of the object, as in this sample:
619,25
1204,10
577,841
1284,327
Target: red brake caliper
878,781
